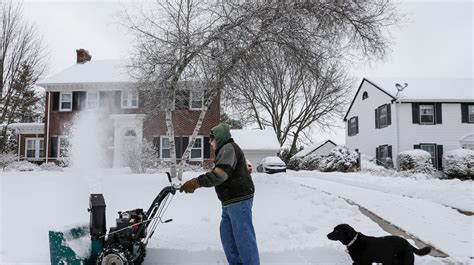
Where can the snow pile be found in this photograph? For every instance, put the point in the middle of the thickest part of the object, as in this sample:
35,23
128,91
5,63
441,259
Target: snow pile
21,166
368,165
416,161
50,166
80,245
339,159
459,163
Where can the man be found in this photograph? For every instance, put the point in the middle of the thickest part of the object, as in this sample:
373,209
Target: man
235,189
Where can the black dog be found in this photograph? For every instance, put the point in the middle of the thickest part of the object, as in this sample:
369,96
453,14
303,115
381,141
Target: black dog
366,249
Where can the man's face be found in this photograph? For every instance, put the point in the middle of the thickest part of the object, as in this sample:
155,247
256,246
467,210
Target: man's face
213,143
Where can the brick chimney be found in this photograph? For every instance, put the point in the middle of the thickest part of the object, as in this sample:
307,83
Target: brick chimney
82,56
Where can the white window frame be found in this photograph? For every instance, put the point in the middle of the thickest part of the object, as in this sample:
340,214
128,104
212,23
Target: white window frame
89,97
61,101
433,155
202,149
433,114
352,129
130,95
37,147
470,113
196,98
383,117
161,147
59,146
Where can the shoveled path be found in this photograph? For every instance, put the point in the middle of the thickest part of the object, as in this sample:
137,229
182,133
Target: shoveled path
419,218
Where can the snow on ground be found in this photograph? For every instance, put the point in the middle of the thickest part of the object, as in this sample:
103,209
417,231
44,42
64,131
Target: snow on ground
291,220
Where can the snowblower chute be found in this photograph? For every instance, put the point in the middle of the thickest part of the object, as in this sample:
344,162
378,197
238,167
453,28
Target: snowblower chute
123,244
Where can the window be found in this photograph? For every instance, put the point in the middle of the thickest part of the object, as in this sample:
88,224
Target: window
430,148
383,116
129,99
197,100
65,101
130,133
34,148
383,152
353,126
165,147
92,101
471,113
365,95
426,114
196,150
63,147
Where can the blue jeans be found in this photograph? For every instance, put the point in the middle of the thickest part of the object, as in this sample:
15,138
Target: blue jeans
237,234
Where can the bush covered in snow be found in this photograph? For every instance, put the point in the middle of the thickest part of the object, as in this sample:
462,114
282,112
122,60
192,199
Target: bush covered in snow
140,156
341,159
50,166
459,163
368,165
416,161
21,166
311,162
294,163
6,159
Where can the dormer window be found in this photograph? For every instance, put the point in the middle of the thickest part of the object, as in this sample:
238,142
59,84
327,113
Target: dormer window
365,95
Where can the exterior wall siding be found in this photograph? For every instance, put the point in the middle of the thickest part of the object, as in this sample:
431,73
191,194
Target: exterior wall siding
369,137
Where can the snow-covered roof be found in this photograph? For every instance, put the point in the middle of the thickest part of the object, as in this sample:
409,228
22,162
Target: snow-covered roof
27,128
429,89
256,139
99,71
312,148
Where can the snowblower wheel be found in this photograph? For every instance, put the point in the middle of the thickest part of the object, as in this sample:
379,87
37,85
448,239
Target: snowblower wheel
114,256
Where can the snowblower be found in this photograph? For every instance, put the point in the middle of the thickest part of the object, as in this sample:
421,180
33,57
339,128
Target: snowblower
124,244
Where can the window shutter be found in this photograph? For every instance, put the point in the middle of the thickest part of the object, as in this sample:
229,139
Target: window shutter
118,99
440,156
416,146
156,144
438,113
349,133
78,100
179,147
376,119
389,114
390,151
54,147
55,97
357,125
464,113
185,143
207,148
415,111
377,156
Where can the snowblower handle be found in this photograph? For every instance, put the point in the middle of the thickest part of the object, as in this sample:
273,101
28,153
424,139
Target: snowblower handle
169,176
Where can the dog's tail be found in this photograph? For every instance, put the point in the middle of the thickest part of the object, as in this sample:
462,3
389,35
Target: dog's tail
422,251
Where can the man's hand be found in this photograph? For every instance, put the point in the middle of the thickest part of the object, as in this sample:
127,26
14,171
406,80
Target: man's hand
190,186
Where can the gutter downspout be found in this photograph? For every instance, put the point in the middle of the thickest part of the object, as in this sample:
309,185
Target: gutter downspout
398,130
47,127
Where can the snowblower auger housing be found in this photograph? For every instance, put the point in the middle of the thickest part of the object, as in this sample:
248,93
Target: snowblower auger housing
126,242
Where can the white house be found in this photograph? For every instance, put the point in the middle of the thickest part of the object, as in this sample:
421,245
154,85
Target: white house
435,115
319,148
256,144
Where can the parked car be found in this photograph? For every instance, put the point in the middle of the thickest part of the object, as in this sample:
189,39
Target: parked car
271,164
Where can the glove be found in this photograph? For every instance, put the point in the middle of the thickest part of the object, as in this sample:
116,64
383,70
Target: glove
190,186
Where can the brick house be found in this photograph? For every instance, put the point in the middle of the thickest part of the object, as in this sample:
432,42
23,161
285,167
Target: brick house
106,86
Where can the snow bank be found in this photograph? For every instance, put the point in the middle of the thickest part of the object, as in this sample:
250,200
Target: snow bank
21,166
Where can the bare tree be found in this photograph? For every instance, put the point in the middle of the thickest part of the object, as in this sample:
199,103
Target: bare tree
203,42
21,64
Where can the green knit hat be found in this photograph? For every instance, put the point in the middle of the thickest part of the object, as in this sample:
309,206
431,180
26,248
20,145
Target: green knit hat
221,133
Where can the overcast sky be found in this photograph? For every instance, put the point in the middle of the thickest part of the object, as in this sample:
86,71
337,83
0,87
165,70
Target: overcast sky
435,40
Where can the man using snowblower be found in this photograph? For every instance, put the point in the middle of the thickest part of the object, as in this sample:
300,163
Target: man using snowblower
235,189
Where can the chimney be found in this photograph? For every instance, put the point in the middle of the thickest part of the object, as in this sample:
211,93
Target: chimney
82,56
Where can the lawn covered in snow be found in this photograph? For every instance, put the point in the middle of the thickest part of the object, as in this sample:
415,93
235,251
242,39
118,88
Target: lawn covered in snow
293,212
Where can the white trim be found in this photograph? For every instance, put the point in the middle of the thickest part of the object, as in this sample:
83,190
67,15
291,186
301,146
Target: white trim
202,149
61,101
191,99
130,94
47,127
37,147
469,107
